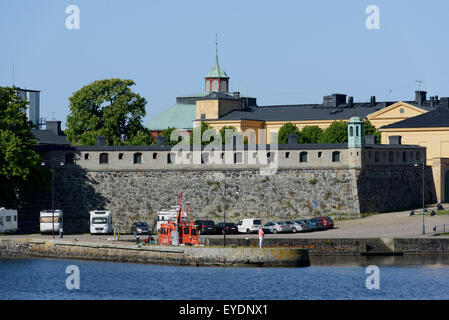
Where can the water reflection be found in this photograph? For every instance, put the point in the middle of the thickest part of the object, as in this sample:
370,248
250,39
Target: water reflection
359,260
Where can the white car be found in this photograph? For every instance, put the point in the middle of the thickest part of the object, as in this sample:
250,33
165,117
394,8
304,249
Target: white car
249,225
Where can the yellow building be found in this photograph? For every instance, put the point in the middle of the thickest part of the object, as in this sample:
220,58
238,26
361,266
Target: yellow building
430,130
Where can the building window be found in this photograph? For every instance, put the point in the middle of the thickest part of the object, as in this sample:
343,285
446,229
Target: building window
215,85
154,155
137,157
69,158
238,157
86,156
351,131
223,86
170,158
320,154
104,158
120,156
303,157
336,156
205,158
287,155
357,131
203,116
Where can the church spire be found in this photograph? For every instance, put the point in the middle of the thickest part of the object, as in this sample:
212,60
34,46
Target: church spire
216,79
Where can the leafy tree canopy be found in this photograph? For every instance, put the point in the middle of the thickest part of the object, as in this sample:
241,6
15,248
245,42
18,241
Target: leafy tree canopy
310,134
370,130
286,130
337,132
107,108
20,165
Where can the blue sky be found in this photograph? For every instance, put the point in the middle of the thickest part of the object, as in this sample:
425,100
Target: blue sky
282,52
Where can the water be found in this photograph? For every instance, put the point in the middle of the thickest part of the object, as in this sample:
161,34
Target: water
46,279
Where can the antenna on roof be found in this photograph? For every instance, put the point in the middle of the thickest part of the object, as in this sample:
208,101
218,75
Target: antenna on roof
13,74
419,84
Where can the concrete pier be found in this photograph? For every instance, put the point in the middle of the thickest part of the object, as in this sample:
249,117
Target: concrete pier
182,255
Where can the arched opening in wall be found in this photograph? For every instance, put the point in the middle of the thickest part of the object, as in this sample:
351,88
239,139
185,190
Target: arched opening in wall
104,158
356,131
404,156
336,156
390,156
69,158
303,157
351,131
376,156
418,155
446,187
223,86
215,85
137,158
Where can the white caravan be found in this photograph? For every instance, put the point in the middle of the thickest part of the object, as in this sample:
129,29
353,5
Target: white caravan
8,220
101,222
47,224
167,215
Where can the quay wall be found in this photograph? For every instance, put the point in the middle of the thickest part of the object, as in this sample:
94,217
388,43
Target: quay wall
195,256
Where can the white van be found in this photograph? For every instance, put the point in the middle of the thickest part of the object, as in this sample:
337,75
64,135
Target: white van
8,220
249,225
101,222
47,224
167,215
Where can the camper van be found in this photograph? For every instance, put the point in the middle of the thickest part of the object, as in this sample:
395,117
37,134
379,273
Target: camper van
8,220
101,222
167,215
47,224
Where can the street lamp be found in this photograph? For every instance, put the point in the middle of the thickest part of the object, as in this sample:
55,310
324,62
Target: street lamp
224,209
44,164
417,164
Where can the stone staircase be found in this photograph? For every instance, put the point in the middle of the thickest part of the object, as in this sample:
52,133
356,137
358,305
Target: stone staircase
378,247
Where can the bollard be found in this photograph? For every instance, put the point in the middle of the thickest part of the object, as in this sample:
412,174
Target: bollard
247,242
61,233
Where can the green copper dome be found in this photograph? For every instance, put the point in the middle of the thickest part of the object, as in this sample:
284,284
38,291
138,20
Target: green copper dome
216,71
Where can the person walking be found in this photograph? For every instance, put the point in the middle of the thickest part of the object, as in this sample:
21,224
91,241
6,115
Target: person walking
261,235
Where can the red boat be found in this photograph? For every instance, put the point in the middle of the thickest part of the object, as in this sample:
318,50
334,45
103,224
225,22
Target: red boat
182,231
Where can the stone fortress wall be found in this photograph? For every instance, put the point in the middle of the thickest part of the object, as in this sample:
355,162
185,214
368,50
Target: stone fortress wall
304,180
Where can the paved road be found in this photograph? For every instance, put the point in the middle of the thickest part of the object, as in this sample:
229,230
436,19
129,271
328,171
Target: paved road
394,225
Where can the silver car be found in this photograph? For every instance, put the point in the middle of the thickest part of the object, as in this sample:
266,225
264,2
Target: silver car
300,226
276,226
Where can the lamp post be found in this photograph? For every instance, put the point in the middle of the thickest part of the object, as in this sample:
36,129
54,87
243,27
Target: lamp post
224,209
44,163
417,163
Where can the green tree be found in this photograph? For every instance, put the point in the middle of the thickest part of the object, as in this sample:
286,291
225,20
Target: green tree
107,108
310,134
337,132
286,130
167,134
201,129
370,130
20,164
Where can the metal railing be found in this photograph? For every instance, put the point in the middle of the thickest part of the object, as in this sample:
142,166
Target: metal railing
440,229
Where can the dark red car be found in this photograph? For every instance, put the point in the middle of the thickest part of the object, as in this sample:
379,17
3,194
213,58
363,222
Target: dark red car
327,222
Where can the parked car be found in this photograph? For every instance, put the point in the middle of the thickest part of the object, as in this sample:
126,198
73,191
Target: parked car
231,228
327,222
206,226
314,224
140,228
249,225
298,226
275,227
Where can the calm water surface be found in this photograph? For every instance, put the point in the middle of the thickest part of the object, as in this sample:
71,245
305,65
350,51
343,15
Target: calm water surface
46,279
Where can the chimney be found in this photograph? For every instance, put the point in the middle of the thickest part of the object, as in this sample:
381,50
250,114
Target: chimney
373,101
334,100
236,95
292,139
101,141
432,101
351,101
160,140
420,97
436,100
444,102
54,126
372,139
395,139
